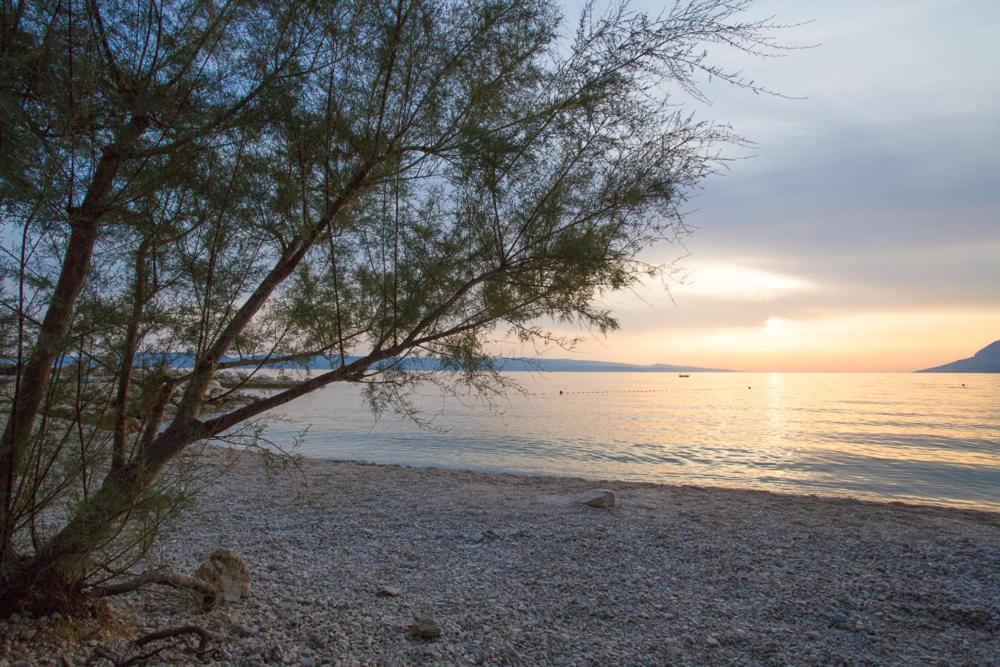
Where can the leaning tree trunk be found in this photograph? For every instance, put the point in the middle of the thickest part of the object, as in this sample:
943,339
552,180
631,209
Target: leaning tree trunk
84,221
35,377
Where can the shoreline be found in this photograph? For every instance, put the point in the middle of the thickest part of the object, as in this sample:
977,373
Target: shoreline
916,502
516,572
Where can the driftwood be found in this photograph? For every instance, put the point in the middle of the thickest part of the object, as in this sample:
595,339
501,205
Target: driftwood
204,592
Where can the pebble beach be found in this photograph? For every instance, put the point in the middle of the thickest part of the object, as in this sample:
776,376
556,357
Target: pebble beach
356,564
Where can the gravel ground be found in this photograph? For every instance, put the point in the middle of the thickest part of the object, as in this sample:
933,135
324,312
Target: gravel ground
515,572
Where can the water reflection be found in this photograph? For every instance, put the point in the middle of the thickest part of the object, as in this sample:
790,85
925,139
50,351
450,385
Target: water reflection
889,436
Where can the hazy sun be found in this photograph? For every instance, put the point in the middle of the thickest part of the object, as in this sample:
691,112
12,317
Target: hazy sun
775,326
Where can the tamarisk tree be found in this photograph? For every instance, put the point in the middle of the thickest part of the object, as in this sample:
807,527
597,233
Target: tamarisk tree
248,182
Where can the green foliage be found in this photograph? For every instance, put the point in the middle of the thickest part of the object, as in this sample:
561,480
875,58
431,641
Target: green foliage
274,179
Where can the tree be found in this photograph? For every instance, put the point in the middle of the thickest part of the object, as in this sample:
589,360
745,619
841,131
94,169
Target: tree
257,181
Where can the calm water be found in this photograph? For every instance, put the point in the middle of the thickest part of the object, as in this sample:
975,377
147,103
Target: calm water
926,438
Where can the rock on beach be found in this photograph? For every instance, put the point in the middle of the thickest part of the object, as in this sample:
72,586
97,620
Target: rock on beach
597,498
425,628
388,592
228,572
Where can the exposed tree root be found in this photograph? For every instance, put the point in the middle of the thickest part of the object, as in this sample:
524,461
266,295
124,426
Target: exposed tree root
205,639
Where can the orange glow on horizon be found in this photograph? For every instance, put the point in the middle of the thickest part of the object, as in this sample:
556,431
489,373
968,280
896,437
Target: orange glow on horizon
848,342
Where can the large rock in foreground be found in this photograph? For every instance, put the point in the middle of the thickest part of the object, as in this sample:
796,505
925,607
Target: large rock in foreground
228,572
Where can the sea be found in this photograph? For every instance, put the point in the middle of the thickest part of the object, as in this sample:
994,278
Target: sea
918,438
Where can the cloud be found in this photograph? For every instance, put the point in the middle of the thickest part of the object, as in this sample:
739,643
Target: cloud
732,282
871,210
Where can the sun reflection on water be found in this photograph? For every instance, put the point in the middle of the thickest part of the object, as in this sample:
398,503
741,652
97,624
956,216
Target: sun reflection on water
890,436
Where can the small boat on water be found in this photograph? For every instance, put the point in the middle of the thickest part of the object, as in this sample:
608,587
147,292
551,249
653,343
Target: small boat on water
683,375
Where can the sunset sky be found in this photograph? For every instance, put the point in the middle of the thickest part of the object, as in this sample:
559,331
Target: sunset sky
865,232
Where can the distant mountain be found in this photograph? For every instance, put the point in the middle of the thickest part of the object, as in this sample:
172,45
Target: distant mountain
178,360
586,366
987,360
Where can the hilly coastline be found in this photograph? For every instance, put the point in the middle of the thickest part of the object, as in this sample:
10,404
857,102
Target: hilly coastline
517,364
987,360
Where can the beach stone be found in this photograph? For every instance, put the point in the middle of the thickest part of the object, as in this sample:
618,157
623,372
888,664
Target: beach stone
244,631
425,628
228,572
597,498
388,592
